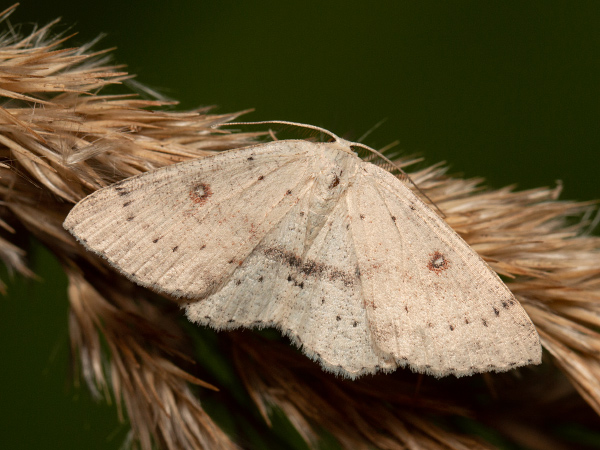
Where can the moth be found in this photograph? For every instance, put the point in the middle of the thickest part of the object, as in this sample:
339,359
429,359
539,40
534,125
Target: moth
337,253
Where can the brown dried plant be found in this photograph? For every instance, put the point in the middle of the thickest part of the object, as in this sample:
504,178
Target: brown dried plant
62,137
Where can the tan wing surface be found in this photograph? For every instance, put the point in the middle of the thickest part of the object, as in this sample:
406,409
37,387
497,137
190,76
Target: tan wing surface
183,229
432,303
316,299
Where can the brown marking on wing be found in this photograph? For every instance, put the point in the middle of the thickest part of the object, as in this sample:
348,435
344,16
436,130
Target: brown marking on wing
310,268
438,262
334,182
200,193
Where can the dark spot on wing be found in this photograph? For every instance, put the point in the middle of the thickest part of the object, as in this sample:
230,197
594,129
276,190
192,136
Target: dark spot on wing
437,262
354,324
288,192
451,327
496,311
261,178
126,204
200,193
334,182
484,322
467,321
429,325
238,282
203,247
130,218
289,278
155,240
121,190
362,216
301,213
175,248
260,279
412,207
230,261
230,321
338,318
505,305
394,218
251,158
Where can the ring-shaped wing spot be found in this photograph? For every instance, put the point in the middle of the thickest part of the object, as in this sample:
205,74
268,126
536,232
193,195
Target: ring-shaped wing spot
158,231
431,301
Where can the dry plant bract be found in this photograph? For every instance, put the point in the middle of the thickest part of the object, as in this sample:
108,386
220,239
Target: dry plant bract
64,136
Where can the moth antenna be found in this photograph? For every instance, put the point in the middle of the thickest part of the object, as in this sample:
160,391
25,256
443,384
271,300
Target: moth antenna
285,122
404,176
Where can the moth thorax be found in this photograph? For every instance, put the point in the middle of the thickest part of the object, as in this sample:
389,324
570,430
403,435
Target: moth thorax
325,194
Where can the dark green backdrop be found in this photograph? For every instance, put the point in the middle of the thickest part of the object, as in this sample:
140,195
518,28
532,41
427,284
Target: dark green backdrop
504,90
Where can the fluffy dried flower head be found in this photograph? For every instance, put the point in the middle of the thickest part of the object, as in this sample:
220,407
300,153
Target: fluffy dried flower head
61,139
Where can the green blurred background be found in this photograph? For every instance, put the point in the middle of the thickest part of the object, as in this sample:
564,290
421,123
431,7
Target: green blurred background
504,90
